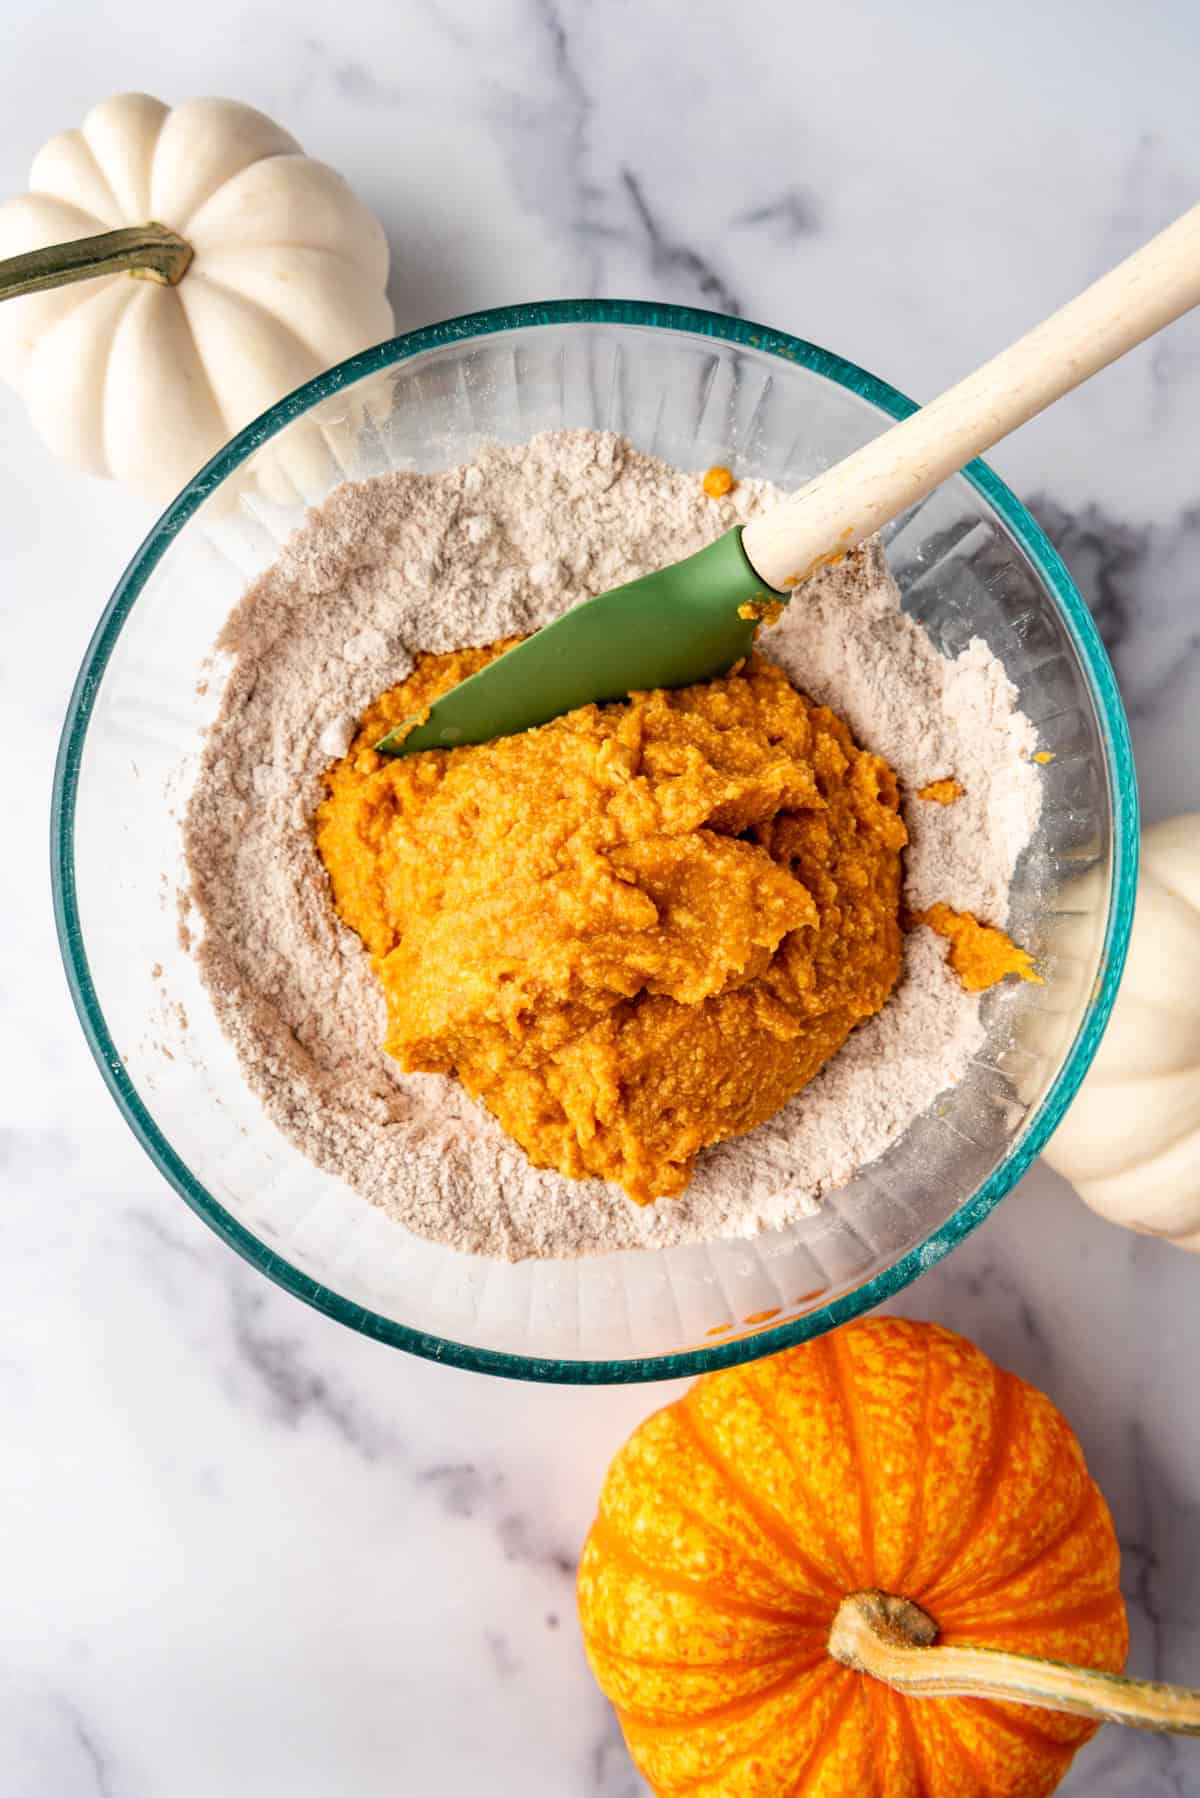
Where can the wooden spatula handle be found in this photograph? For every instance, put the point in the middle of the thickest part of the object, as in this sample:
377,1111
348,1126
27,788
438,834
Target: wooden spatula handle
846,503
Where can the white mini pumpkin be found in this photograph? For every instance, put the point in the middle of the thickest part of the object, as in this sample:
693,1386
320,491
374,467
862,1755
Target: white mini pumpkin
144,382
1130,1144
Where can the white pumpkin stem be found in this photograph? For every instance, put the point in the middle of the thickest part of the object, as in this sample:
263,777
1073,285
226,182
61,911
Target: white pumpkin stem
892,1639
147,252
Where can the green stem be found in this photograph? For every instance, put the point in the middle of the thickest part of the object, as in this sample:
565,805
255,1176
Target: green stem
147,252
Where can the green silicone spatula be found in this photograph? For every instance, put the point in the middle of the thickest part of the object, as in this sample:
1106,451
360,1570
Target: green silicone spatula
695,619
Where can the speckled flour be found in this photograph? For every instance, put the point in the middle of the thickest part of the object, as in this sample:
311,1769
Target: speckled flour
412,562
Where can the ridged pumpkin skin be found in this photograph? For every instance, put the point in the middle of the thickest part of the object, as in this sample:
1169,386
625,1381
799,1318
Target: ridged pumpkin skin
145,382
887,1454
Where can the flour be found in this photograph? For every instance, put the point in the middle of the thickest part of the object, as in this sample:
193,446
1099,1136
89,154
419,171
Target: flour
412,562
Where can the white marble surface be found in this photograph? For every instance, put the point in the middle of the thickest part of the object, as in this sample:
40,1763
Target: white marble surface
244,1551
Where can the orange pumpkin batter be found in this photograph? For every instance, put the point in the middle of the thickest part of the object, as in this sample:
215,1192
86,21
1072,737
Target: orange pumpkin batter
941,792
980,954
634,931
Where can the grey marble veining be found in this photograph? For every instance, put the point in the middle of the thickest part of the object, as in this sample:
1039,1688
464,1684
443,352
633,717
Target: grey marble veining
247,1551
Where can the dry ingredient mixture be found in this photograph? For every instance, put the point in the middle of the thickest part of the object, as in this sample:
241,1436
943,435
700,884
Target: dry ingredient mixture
412,564
633,932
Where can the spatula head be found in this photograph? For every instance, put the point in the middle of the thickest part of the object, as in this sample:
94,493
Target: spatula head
686,623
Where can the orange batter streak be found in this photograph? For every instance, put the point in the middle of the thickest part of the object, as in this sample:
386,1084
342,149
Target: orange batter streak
941,792
979,954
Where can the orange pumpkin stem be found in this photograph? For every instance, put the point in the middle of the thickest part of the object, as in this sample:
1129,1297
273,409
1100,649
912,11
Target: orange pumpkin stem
892,1639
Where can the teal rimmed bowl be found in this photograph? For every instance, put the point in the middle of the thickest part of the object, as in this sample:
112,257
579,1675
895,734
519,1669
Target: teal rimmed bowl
697,388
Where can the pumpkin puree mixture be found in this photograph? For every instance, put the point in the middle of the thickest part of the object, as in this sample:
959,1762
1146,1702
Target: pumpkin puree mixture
635,931
941,792
638,931
980,954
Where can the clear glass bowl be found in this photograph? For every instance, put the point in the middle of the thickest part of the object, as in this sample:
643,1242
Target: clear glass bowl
696,388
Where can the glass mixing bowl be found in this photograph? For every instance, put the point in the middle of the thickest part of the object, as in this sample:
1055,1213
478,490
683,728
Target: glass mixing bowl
696,388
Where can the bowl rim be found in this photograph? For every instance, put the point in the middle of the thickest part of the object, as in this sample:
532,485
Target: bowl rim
731,1350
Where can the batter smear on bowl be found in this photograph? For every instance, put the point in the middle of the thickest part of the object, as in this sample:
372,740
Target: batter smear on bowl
651,949
634,932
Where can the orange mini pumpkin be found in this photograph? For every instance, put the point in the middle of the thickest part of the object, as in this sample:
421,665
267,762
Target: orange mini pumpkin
887,1457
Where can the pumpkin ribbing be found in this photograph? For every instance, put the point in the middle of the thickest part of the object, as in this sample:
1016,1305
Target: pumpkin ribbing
891,1455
